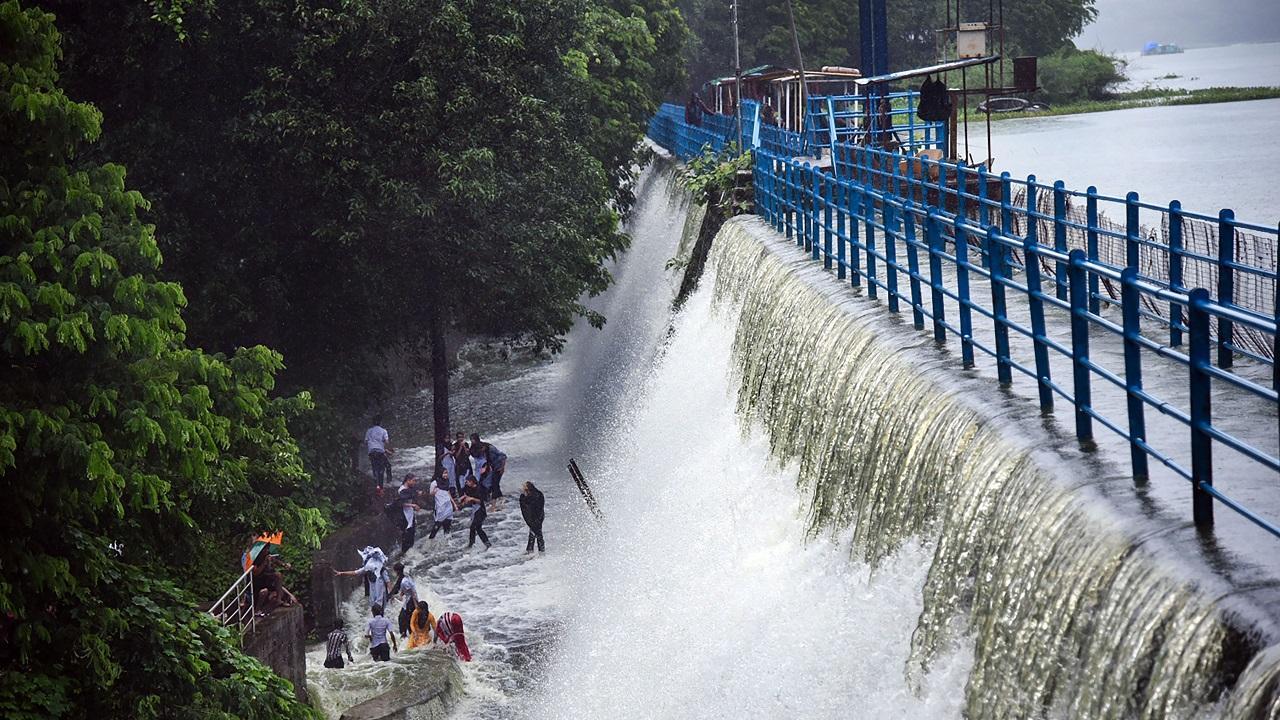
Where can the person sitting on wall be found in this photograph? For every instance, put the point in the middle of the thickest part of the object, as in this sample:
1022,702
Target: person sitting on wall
693,110
885,136
268,588
767,114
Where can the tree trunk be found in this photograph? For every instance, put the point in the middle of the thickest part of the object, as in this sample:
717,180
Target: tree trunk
439,380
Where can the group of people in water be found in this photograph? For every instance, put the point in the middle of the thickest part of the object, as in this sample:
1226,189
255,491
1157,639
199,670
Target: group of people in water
469,477
416,624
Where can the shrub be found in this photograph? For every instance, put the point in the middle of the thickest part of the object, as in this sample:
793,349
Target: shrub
1071,75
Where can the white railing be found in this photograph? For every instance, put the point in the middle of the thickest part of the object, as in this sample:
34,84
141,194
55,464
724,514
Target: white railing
235,608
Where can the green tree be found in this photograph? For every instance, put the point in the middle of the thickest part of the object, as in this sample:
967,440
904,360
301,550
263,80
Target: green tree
828,31
465,188
1071,75
339,179
122,450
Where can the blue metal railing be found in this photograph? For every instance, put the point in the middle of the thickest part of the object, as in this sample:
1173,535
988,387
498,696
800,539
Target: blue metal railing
834,119
1206,284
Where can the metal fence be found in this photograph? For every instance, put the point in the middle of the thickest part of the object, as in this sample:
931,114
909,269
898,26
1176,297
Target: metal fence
962,222
235,609
1192,290
834,119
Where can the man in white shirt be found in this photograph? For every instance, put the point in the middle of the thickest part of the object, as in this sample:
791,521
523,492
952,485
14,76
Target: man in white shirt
378,443
379,633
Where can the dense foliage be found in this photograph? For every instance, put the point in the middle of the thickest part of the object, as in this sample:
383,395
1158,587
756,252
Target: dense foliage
828,31
328,178
125,454
336,179
1071,75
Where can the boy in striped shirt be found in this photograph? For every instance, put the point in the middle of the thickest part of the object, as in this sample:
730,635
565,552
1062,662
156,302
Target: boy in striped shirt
334,646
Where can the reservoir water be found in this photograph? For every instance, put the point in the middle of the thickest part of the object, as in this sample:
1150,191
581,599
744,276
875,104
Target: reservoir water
1207,156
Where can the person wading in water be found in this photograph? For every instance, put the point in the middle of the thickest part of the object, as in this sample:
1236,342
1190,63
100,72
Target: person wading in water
532,509
379,633
378,443
473,495
334,646
421,625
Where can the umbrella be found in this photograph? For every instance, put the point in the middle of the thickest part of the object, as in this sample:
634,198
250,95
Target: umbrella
270,542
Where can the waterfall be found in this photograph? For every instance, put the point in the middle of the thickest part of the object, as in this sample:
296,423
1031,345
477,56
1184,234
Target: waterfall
1071,615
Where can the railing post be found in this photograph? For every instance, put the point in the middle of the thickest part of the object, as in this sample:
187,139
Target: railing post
1060,235
797,203
891,252
1035,303
1201,408
841,201
999,308
815,214
962,289
1006,205
1175,271
869,242
1132,248
1091,245
933,235
984,214
787,202
806,193
829,187
1079,294
942,185
1226,283
1129,307
855,230
913,265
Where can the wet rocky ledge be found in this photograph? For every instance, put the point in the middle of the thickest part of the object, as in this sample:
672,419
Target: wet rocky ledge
436,689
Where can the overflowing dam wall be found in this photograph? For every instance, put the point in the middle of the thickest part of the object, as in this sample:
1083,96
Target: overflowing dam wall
1075,608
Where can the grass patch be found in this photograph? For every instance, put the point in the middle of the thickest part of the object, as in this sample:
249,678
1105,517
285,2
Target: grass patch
1147,97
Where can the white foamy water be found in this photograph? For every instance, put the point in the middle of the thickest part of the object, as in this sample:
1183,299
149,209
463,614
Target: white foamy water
705,598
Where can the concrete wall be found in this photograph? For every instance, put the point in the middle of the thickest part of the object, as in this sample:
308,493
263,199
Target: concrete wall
279,641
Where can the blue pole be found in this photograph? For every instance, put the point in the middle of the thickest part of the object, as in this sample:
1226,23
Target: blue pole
1131,231
1226,283
869,240
808,190
1130,298
1175,271
1079,294
1201,408
855,224
913,267
786,197
1060,235
842,211
962,289
1091,245
933,235
827,196
1044,375
999,309
891,253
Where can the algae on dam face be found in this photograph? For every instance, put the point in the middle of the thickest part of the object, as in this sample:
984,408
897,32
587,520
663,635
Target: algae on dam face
1071,614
